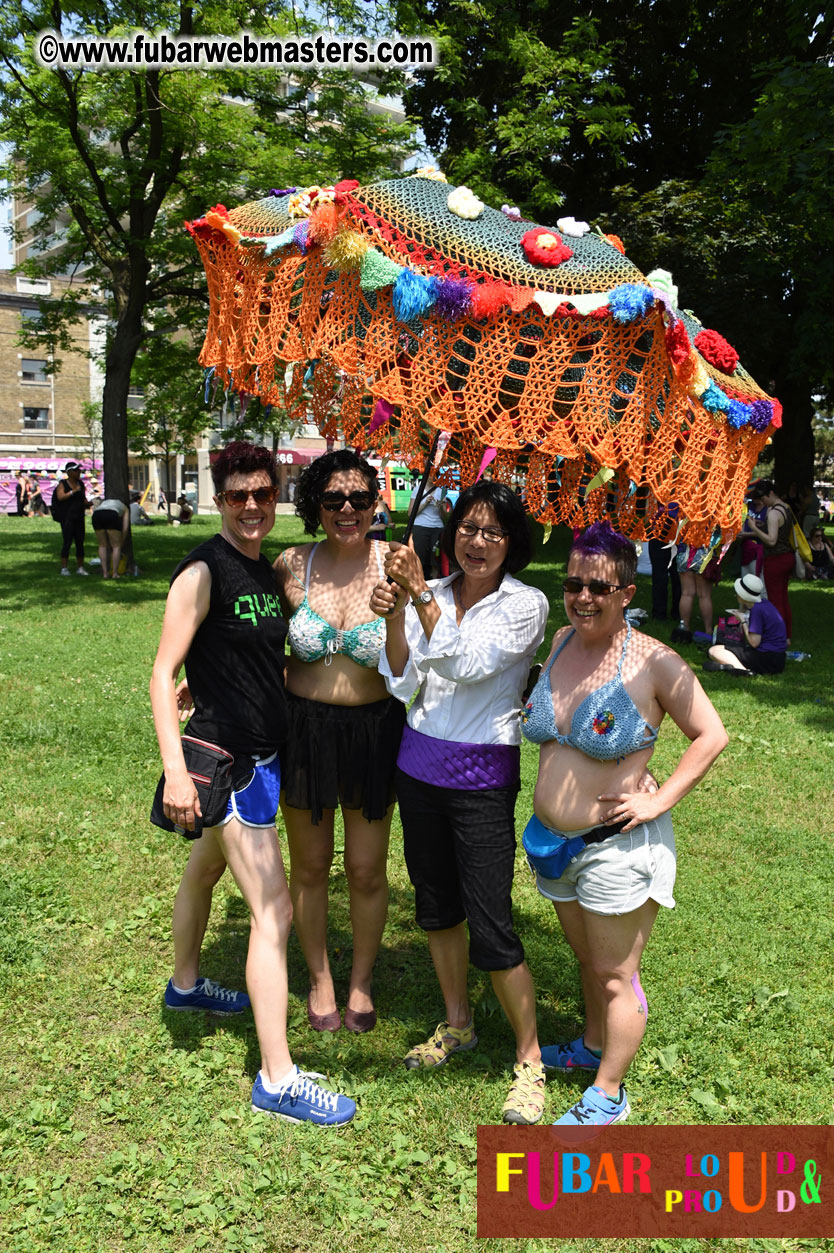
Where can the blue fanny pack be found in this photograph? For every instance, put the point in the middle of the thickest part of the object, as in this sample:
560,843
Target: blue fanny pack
549,853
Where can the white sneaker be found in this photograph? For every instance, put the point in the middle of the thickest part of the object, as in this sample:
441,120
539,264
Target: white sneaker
81,570
63,570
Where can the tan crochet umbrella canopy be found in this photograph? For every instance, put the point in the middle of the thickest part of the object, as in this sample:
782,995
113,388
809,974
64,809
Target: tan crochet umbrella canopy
412,308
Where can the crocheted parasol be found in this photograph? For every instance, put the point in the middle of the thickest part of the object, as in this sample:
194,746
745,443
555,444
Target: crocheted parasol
409,307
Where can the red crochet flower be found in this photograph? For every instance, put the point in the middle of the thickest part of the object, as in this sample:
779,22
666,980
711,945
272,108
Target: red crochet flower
715,349
544,247
617,242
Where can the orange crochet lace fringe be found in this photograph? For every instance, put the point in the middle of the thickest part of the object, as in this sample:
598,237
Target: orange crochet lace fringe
599,416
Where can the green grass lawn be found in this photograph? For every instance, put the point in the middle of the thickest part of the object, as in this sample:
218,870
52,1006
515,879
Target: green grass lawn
125,1127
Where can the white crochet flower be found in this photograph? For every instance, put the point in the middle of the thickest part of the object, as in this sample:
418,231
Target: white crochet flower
570,226
464,204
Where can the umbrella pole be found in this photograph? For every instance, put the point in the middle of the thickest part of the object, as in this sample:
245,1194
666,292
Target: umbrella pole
421,491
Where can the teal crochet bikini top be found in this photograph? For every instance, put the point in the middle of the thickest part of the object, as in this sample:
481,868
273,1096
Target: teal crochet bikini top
607,724
312,638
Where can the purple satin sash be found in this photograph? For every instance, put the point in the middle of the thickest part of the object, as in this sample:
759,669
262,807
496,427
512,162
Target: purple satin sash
452,764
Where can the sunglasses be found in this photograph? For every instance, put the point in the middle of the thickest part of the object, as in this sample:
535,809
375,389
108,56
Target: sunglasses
596,587
334,501
236,497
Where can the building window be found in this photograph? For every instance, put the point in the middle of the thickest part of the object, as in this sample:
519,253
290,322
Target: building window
139,476
34,286
35,419
33,370
30,317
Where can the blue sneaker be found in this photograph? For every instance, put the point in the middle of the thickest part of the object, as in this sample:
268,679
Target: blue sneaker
302,1100
207,996
595,1108
565,1057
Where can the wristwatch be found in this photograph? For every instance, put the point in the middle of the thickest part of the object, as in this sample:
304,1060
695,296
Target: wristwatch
424,597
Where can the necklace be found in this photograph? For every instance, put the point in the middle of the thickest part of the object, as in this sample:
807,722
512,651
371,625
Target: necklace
458,596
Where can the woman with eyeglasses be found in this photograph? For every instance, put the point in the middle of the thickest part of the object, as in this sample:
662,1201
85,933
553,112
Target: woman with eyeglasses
223,622
344,729
601,844
464,645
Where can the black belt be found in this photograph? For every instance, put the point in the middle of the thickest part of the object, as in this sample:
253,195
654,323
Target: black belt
597,834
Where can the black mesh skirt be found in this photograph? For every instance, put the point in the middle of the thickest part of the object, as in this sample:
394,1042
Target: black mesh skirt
341,755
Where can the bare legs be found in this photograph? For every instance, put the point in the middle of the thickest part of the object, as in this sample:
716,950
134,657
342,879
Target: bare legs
254,857
366,857
692,585
192,905
609,949
514,989
109,546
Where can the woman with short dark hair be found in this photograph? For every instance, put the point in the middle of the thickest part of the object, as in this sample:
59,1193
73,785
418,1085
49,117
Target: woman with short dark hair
222,621
344,728
462,649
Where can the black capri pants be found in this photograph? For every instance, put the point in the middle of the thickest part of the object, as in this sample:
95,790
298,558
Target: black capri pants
72,532
460,854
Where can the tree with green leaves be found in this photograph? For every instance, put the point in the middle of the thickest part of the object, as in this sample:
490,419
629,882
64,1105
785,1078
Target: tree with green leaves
126,155
702,134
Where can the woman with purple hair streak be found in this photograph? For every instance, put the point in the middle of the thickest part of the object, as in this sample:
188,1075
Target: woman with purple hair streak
602,848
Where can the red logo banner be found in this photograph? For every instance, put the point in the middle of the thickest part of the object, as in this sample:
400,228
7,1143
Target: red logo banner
703,1181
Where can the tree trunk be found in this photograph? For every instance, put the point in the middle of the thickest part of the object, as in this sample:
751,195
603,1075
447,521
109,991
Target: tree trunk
793,444
120,357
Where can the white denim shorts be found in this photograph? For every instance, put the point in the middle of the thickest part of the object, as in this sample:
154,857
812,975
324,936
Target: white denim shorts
620,874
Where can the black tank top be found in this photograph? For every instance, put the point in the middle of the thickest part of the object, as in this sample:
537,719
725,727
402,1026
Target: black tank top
235,665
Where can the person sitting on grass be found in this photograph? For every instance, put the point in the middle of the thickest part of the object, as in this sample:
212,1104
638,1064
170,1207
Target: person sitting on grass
821,565
763,649
603,847
223,622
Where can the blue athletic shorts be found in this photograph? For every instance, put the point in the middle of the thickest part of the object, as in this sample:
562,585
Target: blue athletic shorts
256,803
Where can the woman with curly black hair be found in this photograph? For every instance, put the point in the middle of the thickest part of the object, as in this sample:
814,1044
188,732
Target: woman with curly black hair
344,728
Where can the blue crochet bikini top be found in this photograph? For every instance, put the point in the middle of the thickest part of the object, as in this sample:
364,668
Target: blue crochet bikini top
312,638
607,724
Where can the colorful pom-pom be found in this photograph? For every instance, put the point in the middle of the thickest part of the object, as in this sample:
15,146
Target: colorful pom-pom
323,223
512,212
761,415
377,271
715,349
430,172
714,400
283,191
346,250
453,298
488,299
776,420
413,295
544,247
738,414
629,301
677,343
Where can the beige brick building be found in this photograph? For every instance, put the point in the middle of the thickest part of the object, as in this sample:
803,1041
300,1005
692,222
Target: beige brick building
40,409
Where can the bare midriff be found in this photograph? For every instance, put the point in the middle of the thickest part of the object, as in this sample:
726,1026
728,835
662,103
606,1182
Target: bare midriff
569,783
338,681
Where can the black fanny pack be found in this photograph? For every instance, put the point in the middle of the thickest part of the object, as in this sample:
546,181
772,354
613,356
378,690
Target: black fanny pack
214,773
